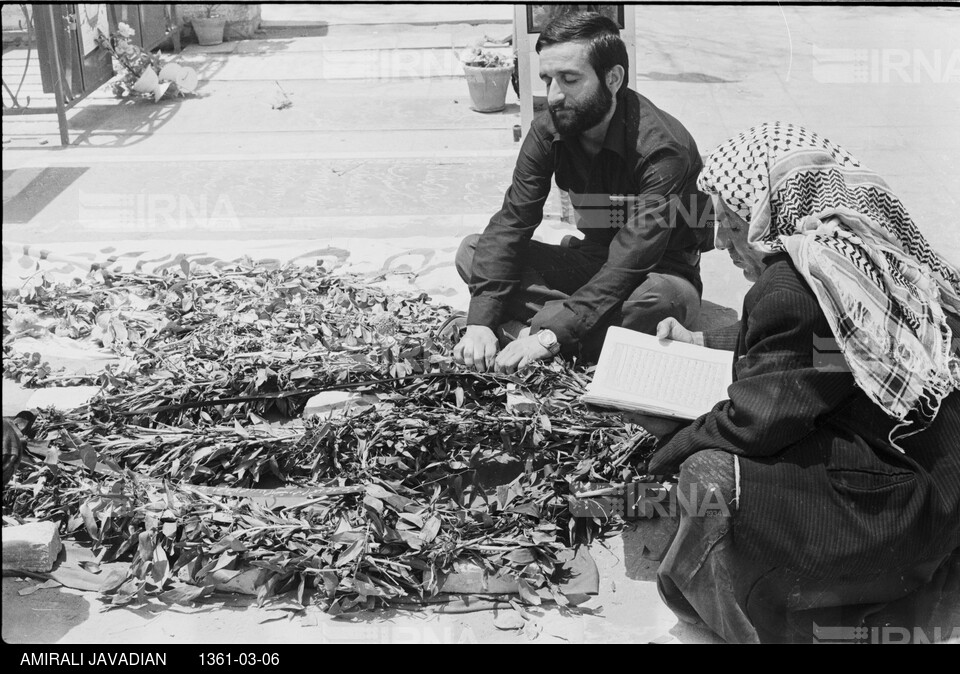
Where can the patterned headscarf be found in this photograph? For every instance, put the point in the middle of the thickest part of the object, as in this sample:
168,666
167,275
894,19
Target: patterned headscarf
881,286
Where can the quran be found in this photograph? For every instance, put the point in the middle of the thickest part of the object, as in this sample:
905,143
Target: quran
641,373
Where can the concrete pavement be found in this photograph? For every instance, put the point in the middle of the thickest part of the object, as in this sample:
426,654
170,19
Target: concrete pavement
381,165
380,141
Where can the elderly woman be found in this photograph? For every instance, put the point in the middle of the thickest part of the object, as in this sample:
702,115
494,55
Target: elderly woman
841,477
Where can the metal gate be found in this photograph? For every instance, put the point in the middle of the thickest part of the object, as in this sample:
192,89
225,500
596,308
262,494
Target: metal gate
70,62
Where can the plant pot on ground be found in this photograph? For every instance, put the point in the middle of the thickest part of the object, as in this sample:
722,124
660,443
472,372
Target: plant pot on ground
209,28
488,78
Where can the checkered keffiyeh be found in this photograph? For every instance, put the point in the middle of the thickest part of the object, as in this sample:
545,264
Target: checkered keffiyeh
881,286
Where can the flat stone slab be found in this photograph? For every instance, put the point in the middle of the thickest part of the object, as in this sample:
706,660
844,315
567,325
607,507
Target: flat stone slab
31,547
336,403
470,578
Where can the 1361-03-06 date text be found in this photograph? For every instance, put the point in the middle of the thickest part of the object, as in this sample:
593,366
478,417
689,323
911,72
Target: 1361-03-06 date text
242,659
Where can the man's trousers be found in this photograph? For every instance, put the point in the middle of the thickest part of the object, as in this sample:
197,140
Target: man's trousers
552,273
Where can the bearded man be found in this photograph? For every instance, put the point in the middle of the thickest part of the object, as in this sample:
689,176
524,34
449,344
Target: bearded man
630,170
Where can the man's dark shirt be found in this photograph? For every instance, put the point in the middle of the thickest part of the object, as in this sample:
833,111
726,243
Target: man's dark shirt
648,157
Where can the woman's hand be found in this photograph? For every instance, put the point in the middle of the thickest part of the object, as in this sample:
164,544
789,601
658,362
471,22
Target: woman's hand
670,328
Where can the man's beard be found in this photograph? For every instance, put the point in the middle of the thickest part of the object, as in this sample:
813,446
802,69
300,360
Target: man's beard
577,118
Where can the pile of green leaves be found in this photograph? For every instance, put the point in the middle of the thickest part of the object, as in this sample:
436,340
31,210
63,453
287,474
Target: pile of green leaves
450,466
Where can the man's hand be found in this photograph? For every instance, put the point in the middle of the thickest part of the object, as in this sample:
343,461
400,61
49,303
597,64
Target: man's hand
670,328
477,348
525,349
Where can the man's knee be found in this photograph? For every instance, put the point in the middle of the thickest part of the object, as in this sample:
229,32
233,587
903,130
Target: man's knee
660,296
708,482
464,258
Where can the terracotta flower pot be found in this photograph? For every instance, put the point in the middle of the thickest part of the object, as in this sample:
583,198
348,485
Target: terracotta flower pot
209,31
488,87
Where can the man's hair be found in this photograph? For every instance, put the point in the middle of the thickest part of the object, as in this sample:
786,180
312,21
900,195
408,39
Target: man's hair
605,47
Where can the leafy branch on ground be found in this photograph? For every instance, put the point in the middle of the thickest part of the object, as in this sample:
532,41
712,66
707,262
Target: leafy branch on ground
450,466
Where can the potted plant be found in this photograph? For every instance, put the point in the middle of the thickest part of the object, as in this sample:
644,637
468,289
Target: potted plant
209,27
142,73
488,76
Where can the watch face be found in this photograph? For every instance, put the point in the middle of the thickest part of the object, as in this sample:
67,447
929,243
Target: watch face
547,338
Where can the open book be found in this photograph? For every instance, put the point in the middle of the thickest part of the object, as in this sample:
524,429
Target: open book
638,372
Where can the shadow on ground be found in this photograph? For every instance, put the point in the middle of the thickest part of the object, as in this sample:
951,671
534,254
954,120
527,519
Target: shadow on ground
28,191
53,613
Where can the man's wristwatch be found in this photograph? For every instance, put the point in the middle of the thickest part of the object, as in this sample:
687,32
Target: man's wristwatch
548,340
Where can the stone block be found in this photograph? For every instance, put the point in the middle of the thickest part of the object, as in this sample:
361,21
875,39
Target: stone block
31,547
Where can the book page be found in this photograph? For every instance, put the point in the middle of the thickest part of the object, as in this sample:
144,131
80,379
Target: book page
640,372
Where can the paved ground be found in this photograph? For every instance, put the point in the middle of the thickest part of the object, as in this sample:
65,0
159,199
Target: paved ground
380,142
381,164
